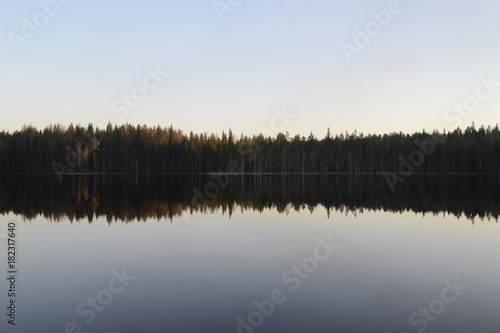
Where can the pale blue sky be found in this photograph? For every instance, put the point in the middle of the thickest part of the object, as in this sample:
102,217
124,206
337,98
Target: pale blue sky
264,55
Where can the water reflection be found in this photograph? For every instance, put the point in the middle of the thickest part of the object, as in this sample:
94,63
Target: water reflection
128,198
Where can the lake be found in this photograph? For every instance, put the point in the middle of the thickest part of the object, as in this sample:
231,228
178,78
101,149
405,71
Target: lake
274,253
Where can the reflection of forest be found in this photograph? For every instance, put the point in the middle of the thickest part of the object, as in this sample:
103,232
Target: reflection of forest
128,198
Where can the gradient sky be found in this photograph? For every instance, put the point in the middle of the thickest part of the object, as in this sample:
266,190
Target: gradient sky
264,55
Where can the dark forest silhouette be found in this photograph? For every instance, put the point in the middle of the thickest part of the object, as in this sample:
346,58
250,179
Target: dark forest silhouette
129,198
140,149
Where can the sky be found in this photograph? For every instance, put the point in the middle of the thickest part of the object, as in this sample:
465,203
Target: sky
252,66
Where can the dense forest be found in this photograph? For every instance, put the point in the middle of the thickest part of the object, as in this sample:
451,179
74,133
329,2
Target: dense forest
141,149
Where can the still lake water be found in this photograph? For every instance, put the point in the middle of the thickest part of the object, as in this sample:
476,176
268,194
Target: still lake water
263,254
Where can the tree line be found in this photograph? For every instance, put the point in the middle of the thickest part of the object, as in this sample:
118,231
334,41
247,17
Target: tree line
142,149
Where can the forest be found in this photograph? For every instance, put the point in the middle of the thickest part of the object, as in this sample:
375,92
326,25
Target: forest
146,150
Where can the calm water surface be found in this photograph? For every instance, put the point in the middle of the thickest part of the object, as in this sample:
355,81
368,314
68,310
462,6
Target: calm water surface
219,267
